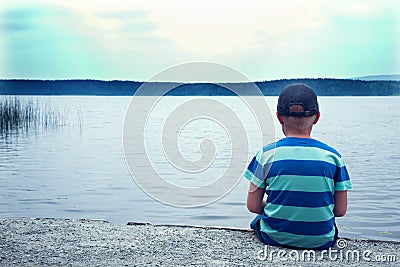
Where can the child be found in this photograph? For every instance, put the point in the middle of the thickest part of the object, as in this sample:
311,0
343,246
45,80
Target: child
305,180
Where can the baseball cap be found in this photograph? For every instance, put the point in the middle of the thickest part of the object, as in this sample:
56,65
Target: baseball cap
298,94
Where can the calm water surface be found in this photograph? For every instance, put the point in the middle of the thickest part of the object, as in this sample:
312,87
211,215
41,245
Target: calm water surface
79,171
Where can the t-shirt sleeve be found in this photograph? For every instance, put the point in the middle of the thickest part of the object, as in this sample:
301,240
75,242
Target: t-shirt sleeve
342,179
256,172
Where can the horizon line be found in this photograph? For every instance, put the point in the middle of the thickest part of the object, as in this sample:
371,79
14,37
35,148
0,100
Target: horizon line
396,76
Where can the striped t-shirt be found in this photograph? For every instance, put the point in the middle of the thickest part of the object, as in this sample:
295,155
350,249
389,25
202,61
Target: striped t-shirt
300,176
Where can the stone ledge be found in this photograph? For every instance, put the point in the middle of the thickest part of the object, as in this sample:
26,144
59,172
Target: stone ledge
55,242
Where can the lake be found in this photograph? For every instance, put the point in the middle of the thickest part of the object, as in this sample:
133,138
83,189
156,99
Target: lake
79,170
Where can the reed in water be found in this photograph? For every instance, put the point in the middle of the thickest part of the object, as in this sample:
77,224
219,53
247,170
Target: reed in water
24,114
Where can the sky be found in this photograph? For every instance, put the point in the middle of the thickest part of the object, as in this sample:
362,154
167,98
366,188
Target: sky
135,40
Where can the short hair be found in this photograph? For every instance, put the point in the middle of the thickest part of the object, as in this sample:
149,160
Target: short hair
298,123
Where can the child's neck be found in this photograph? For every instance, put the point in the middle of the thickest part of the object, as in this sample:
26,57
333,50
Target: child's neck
306,133
299,135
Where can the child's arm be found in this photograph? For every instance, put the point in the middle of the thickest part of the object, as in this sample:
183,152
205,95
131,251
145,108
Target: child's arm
340,208
255,199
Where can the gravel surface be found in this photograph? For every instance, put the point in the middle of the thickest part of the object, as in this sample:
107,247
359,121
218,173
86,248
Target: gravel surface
60,242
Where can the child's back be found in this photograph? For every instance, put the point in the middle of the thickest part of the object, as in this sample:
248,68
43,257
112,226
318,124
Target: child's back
305,180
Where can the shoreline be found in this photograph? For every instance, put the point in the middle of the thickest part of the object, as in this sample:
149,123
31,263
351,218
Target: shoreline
82,242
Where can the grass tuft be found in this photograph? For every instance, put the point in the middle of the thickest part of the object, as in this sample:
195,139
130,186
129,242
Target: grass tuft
20,114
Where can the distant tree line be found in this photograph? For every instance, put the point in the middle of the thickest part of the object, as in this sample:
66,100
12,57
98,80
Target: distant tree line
337,87
323,87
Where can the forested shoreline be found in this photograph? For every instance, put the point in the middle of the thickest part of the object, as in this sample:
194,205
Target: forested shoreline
323,87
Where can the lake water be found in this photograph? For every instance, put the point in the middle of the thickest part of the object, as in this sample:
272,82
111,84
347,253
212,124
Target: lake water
79,170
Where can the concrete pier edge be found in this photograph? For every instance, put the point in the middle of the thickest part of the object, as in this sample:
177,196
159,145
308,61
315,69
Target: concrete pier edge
88,242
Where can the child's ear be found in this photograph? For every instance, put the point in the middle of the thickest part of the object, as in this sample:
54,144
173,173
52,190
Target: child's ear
279,118
317,118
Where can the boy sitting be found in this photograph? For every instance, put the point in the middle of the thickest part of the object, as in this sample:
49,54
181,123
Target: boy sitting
305,180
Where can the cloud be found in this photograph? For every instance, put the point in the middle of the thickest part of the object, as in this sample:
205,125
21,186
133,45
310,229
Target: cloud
117,39
6,27
21,13
53,41
17,19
